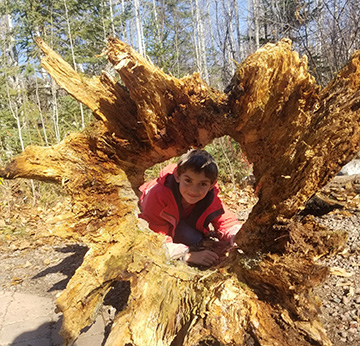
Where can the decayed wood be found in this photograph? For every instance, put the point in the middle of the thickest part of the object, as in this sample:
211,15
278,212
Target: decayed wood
276,111
290,165
146,119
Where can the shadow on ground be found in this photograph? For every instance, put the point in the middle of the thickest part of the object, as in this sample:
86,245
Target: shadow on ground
67,266
46,334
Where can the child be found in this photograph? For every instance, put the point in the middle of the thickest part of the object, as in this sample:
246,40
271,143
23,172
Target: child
181,204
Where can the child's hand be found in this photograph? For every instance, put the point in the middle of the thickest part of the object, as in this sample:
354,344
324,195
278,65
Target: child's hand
205,257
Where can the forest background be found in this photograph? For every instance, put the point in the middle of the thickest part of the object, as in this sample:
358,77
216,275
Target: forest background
181,37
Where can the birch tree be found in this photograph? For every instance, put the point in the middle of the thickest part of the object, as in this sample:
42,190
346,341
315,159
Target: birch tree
194,36
139,28
256,14
38,102
112,18
10,63
123,22
201,42
240,48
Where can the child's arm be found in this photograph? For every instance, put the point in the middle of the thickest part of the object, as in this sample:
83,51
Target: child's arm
153,206
227,225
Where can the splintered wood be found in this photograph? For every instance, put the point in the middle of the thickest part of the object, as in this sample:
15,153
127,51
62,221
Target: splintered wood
292,132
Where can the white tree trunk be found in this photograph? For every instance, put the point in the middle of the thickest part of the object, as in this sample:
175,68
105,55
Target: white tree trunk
123,25
319,28
156,20
250,27
196,47
10,49
239,44
210,26
54,106
228,49
102,6
177,50
55,112
275,25
139,29
73,58
10,60
112,18
202,45
40,110
15,113
256,10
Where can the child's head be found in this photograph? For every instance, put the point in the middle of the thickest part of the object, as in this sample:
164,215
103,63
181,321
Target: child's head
198,161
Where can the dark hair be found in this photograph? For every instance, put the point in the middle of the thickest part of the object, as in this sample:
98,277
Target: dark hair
198,161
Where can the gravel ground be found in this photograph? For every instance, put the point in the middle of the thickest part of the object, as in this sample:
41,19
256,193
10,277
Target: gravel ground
340,294
40,269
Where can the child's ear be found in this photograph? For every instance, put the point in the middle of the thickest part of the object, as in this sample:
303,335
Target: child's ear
176,176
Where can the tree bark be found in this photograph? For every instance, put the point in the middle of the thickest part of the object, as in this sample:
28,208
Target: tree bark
293,133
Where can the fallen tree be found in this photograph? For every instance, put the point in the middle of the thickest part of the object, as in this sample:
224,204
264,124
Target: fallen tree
297,137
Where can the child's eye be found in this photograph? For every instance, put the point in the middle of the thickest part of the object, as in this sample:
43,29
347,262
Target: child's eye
187,180
205,184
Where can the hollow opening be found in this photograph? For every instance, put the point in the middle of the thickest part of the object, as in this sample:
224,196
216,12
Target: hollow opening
233,189
235,178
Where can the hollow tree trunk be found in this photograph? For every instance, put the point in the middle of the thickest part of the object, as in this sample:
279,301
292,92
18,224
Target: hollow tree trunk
297,137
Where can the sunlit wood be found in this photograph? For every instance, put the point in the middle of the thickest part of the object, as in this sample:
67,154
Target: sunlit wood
297,137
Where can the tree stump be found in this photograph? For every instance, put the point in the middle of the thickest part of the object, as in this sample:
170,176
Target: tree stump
297,137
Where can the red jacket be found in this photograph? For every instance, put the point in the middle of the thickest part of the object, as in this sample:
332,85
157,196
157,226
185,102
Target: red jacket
161,208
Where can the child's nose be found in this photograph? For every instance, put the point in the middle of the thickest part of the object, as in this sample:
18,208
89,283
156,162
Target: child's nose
196,189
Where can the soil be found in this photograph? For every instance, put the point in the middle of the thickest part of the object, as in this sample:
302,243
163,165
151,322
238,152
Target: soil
36,262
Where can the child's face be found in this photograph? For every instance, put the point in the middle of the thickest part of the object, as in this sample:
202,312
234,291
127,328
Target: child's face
193,186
